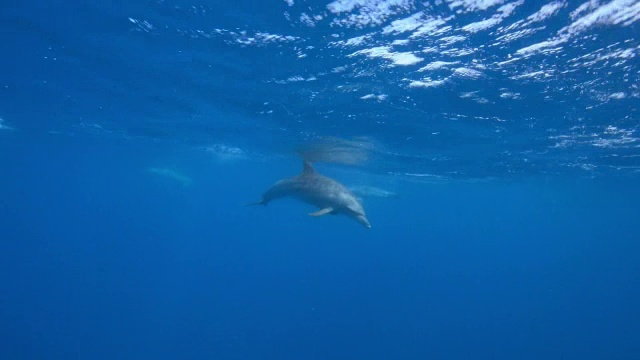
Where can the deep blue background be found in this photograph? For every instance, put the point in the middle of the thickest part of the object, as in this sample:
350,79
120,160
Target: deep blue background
100,259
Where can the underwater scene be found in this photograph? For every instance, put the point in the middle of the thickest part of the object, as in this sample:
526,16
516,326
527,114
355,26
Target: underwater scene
320,179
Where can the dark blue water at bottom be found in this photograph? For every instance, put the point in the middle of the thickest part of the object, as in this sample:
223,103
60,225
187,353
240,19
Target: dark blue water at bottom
101,259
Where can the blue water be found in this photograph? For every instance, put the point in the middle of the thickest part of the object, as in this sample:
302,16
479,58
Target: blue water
502,140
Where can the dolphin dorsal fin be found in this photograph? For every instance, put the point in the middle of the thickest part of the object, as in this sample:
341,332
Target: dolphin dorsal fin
308,168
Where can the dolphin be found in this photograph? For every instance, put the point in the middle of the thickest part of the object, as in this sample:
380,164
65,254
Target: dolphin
182,179
328,195
372,191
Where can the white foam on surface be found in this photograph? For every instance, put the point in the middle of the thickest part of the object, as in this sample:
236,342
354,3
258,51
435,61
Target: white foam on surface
617,12
503,12
361,13
243,38
426,83
510,95
467,73
307,20
450,40
412,49
430,26
404,25
547,11
472,5
436,65
397,58
380,97
355,41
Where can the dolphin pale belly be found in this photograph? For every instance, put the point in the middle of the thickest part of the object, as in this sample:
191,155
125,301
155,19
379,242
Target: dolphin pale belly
328,195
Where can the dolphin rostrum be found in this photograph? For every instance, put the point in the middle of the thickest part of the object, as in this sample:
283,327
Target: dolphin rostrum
328,195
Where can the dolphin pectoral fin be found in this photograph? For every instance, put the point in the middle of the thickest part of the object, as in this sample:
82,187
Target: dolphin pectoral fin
321,212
